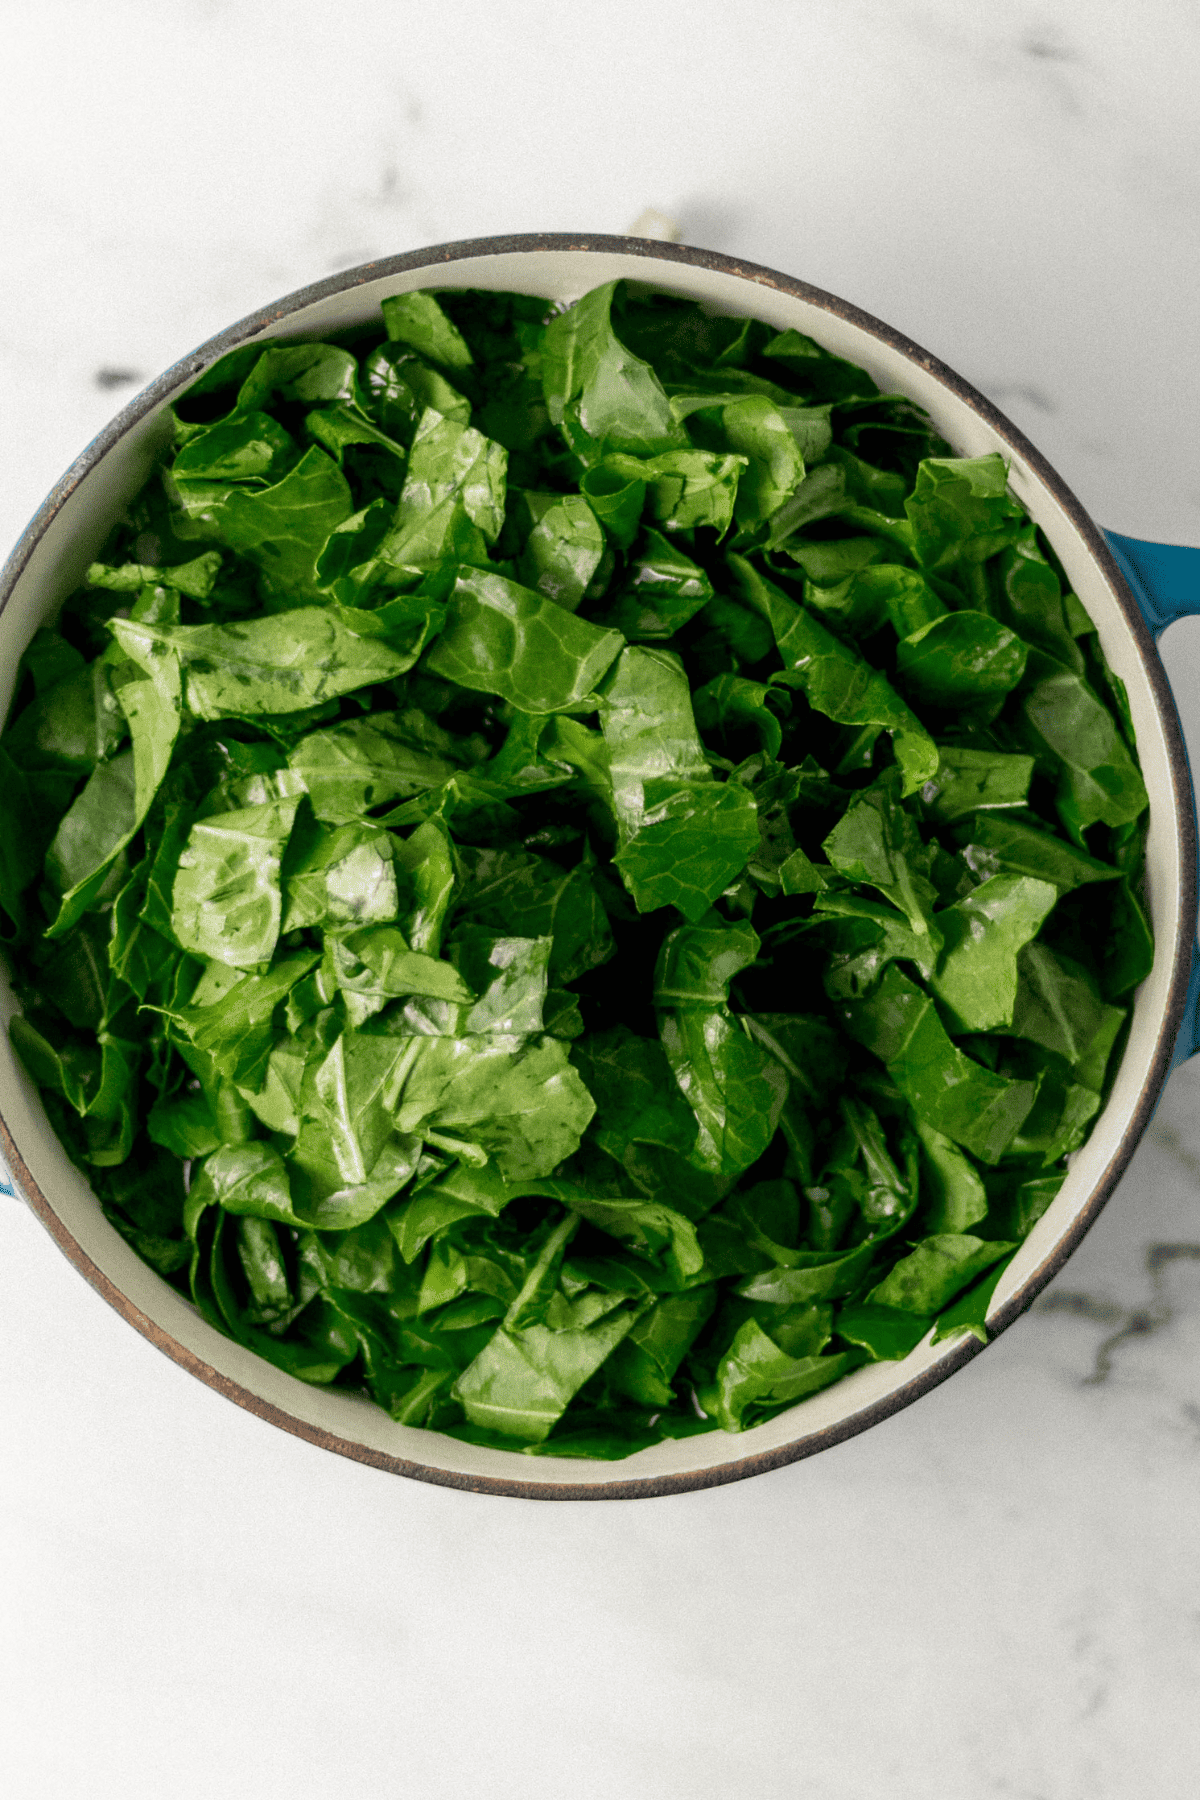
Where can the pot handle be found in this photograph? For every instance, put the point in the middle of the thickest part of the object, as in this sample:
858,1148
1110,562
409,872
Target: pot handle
1164,579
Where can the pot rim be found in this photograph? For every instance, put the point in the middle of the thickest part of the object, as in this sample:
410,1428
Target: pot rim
277,313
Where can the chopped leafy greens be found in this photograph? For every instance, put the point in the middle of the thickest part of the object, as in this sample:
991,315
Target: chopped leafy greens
545,868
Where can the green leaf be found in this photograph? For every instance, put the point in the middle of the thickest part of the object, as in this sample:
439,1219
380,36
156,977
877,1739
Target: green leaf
563,551
961,510
522,1382
501,638
662,590
515,892
689,847
1099,782
367,762
835,681
876,842
417,319
684,488
931,1275
970,781
281,528
755,1372
980,1110
283,663
245,446
956,1197
376,965
301,374
338,876
733,1087
1012,846
526,1106
959,658
616,499
226,902
885,1332
616,397
1058,1005
976,979
452,502
644,1363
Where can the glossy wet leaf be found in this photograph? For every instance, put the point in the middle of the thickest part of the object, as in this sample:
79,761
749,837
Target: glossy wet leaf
835,680
958,658
502,638
563,552
984,935
959,1097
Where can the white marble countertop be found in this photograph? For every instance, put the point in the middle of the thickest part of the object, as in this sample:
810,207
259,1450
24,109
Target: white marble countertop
996,1593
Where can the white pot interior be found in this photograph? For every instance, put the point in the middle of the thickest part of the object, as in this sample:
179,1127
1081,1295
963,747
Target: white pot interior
56,566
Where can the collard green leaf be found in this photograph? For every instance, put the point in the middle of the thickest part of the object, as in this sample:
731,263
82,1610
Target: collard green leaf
961,510
373,966
955,1197
966,1102
851,596
689,846
524,1105
755,1373
684,836
886,1333
519,893
418,319
501,638
643,1364
73,724
969,781
755,428
662,590
1099,781
363,763
1058,1005
226,902
563,551
587,372
452,502
876,842
401,387
731,701
281,528
616,498
283,663
510,975
959,658
835,681
984,934
338,877
861,937
684,488
301,374
636,1099
1018,847
734,1088
521,1383
1032,602
427,862
935,1271
242,447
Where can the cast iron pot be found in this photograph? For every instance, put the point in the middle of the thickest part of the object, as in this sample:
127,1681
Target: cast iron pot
1132,591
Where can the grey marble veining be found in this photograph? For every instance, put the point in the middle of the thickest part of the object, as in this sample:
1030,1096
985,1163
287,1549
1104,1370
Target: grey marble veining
997,1593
